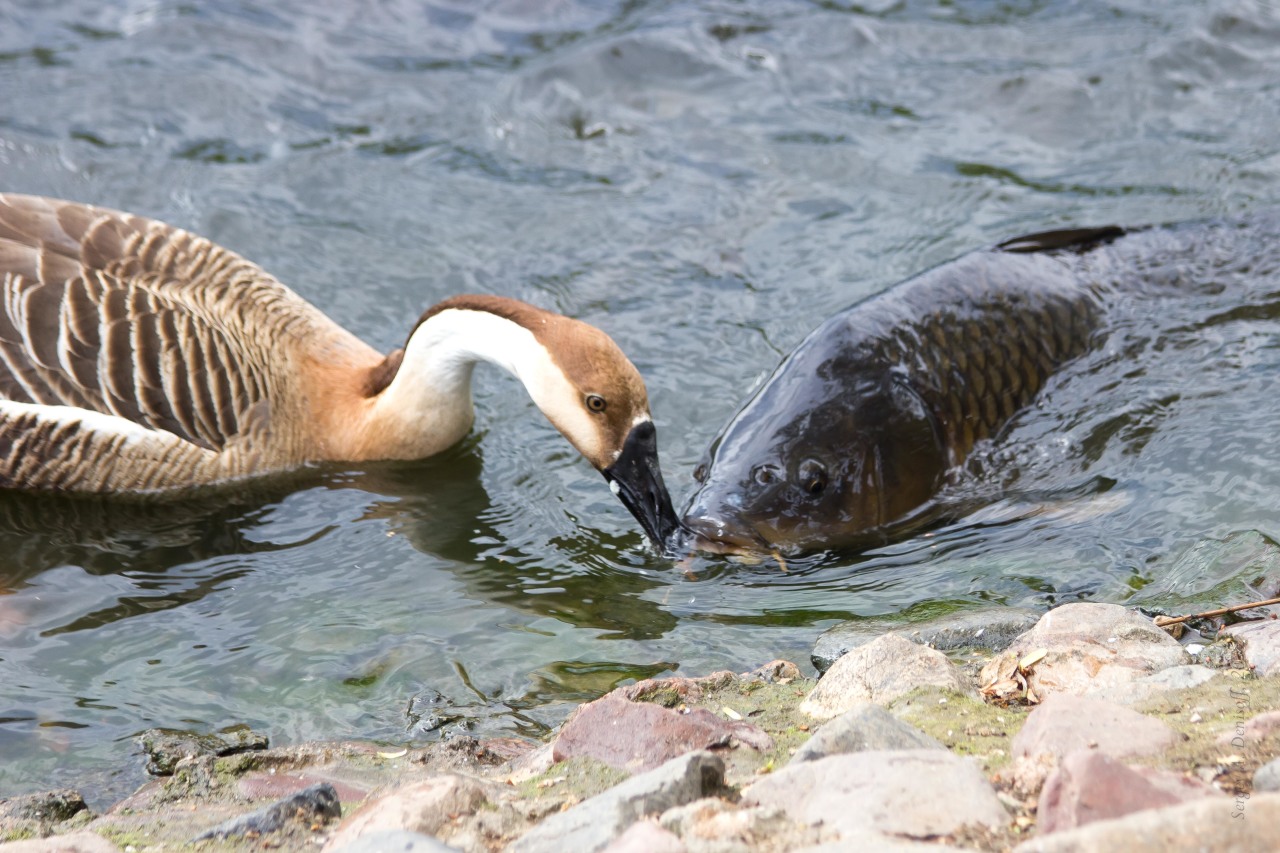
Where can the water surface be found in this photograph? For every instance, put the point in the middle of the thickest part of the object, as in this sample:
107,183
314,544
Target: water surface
706,182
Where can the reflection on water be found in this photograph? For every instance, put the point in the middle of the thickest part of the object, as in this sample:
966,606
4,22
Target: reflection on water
704,181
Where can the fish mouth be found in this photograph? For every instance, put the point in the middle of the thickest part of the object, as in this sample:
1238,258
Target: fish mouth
711,536
636,479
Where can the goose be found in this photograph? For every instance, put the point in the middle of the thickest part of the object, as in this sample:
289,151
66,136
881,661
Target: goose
139,358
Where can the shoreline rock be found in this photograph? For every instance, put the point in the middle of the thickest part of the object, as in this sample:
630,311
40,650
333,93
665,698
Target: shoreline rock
902,754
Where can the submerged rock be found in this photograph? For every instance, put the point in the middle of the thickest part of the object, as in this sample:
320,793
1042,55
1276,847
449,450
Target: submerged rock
880,671
990,628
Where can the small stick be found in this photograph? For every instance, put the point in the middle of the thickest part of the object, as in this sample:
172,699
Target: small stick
1162,621
782,564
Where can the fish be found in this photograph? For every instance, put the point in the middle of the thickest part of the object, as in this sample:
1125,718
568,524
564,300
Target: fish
847,444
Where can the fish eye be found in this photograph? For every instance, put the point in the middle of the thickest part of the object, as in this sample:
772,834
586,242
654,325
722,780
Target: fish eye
764,474
596,403
813,477
700,473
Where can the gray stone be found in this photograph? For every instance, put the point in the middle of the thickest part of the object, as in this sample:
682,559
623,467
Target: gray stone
45,807
594,823
425,807
1182,677
1267,777
1088,648
1063,724
75,842
863,728
1217,823
318,801
917,793
989,628
397,841
1261,644
880,671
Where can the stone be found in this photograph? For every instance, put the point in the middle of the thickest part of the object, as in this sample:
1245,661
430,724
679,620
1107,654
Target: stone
74,842
716,824
319,802
166,747
646,836
988,628
1088,648
639,736
1267,777
1209,823
1261,644
1182,677
880,672
1089,786
874,841
45,807
425,807
1063,724
862,728
917,793
262,785
397,841
595,823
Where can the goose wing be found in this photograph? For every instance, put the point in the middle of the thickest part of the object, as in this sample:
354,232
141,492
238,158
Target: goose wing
129,317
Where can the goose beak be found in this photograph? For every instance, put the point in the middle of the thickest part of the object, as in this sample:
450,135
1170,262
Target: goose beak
637,481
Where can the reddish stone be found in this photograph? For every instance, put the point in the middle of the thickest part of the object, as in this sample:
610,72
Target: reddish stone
646,836
263,785
639,736
1089,786
1253,729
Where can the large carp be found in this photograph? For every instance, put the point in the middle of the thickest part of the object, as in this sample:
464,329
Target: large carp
848,442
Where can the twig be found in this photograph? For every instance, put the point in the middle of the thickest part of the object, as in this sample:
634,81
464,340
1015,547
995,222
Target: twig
1162,621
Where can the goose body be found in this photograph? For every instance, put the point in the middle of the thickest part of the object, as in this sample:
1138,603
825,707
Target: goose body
136,357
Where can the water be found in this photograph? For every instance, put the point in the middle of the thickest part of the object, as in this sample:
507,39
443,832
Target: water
704,181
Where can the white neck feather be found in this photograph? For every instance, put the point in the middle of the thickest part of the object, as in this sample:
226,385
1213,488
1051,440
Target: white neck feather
427,407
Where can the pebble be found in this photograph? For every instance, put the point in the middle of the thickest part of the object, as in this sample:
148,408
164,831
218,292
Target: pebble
918,793
880,672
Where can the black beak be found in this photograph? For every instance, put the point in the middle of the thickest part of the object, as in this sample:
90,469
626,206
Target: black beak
637,481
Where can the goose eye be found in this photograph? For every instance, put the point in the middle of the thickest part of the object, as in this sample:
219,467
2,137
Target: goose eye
596,403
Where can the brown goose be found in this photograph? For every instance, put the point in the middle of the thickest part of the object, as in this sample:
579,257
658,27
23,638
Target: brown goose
136,357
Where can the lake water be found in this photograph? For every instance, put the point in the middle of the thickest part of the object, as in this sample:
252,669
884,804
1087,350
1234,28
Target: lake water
706,182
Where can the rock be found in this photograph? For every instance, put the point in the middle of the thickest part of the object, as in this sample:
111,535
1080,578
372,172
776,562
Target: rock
425,807
991,628
1261,644
1063,724
1210,823
865,727
1089,648
45,807
397,841
783,671
716,824
75,842
166,747
646,836
639,736
594,823
917,793
1182,677
319,802
670,692
1253,729
880,671
1089,786
1267,777
874,841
